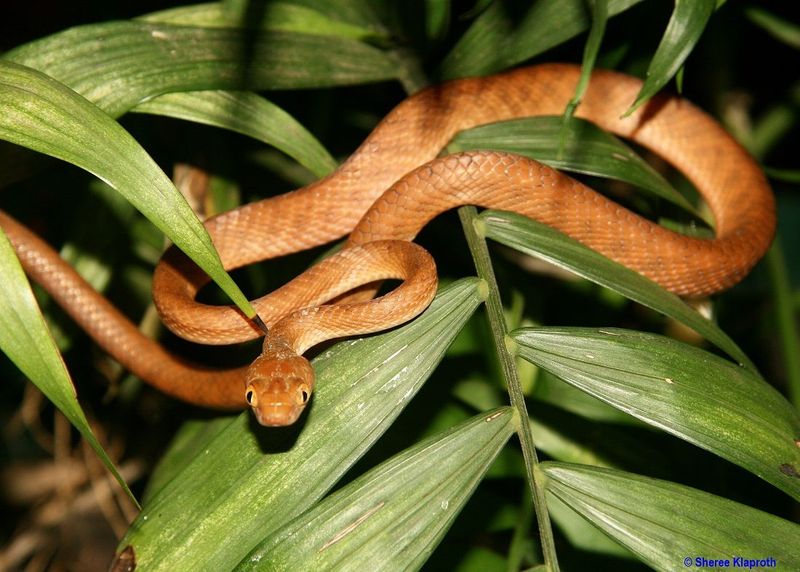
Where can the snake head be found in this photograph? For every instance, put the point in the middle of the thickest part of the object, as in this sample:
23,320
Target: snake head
279,385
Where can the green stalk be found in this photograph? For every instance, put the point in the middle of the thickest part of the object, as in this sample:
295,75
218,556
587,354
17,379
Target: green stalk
503,344
413,80
784,312
410,75
760,139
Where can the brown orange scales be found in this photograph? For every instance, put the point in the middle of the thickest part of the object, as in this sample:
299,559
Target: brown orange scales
384,194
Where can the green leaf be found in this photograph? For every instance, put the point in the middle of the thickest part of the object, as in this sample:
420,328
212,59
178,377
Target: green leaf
590,51
580,533
248,114
248,481
362,13
210,15
686,391
784,175
189,442
395,515
25,339
437,18
575,145
550,389
283,16
544,242
779,28
41,114
508,33
139,61
687,23
665,523
566,437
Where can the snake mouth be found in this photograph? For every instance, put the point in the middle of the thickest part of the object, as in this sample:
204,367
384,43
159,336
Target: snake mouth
277,414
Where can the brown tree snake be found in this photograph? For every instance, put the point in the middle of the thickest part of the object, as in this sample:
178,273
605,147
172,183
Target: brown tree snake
384,194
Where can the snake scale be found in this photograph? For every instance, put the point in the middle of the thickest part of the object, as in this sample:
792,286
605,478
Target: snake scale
382,196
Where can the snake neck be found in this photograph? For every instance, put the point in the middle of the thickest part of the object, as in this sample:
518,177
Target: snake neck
279,383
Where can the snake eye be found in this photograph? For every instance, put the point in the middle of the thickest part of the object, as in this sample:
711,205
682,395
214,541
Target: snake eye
304,394
250,397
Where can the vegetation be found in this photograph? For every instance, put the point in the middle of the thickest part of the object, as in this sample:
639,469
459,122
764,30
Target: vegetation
479,436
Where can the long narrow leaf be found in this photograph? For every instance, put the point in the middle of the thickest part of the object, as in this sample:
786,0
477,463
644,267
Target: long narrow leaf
688,392
673,527
687,23
580,533
41,114
192,438
508,33
118,65
539,240
249,114
25,339
575,145
248,481
782,29
285,16
590,52
363,13
394,516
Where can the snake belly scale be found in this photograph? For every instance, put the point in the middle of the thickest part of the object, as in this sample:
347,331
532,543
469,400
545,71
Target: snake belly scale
384,194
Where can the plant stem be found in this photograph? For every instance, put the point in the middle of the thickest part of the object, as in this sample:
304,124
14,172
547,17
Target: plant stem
784,311
410,73
763,136
494,311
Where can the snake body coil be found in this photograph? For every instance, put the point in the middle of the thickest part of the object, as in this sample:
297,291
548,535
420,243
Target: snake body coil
385,193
